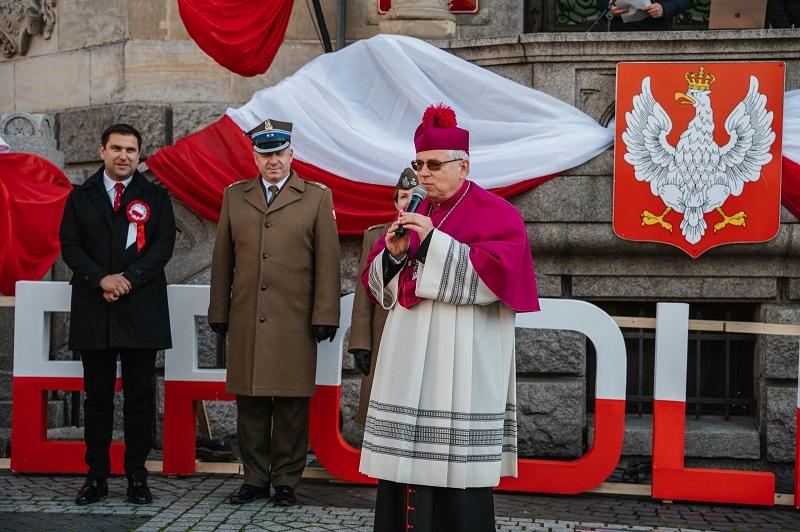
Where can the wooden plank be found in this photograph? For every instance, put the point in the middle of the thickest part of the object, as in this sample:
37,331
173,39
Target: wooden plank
7,301
618,488
707,325
762,328
741,327
635,323
154,466
203,425
320,473
227,468
644,490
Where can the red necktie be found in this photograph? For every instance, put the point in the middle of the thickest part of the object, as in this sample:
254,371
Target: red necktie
118,189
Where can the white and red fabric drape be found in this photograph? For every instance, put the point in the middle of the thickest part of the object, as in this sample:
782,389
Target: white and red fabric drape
790,184
241,35
354,114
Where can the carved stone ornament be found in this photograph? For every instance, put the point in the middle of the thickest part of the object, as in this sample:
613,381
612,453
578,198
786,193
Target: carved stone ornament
21,19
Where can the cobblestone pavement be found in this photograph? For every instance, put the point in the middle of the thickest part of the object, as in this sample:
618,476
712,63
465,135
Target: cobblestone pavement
44,502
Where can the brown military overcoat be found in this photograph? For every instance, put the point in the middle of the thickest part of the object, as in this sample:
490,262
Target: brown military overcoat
275,272
368,320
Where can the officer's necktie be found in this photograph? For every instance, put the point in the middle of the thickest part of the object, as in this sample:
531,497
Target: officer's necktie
273,191
119,188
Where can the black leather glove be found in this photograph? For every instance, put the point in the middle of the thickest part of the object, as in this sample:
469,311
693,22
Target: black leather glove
322,332
362,358
219,328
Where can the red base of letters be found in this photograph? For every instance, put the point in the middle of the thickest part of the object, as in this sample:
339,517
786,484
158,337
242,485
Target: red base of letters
332,451
180,425
673,481
31,451
585,473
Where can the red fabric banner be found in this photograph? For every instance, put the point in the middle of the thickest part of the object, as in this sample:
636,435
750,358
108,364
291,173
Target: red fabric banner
32,196
199,167
241,35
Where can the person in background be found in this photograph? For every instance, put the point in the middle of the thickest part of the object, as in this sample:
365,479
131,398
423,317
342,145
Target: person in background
660,15
368,318
783,13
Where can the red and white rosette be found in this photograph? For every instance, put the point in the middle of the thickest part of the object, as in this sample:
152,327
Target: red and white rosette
138,213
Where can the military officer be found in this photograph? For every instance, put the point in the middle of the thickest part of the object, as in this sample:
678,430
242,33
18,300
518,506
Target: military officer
367,318
275,290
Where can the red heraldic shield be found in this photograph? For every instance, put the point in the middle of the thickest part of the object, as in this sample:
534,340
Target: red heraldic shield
697,158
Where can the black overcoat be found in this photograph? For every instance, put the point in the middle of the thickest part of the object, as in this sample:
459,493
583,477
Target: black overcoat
93,239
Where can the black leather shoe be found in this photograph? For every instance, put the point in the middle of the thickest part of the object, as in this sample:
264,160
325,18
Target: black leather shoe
138,492
91,492
284,496
247,493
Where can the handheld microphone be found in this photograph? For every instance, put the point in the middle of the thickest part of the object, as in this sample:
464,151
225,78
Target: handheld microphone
417,195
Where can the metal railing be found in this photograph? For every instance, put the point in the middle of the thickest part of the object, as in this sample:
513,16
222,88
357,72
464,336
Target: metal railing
720,379
711,355
578,15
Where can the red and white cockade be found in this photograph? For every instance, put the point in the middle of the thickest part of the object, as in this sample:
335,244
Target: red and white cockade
138,213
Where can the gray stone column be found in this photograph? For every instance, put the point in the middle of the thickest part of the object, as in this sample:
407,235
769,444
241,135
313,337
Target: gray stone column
425,19
32,133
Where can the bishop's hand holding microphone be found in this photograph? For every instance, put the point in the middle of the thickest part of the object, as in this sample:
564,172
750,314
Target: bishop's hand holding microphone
417,195
397,238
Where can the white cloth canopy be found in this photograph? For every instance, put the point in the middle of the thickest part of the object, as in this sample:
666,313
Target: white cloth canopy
355,112
791,125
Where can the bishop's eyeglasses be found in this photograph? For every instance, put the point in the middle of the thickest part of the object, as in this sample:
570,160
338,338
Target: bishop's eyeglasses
433,164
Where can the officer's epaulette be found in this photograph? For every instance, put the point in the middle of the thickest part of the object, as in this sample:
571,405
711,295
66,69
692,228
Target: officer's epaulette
319,185
238,183
376,226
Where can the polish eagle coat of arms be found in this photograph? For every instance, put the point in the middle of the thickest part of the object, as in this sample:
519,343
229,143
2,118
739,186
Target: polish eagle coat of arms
699,173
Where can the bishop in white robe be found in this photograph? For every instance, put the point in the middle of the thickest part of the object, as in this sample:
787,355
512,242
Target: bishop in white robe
441,425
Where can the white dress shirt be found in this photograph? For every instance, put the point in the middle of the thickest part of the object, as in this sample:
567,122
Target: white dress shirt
109,184
279,184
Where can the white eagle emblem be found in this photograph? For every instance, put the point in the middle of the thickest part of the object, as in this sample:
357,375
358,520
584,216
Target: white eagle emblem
697,176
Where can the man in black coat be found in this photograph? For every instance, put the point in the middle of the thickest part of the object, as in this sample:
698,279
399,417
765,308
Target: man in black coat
117,234
659,15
